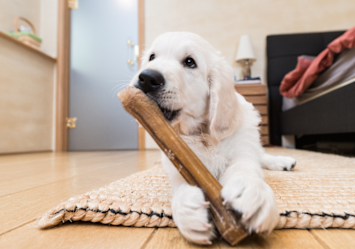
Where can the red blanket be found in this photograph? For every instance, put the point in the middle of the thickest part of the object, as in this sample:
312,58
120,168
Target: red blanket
297,81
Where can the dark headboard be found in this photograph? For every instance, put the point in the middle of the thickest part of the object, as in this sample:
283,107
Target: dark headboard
282,52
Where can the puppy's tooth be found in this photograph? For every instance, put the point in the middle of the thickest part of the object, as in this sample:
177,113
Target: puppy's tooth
225,202
206,204
207,242
245,216
207,225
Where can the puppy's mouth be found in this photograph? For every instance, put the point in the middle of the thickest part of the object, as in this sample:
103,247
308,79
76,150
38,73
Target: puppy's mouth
169,114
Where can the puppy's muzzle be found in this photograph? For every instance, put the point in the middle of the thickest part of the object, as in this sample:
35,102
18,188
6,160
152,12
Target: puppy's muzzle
150,81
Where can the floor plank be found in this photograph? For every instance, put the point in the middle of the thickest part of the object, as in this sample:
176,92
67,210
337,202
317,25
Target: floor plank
29,157
171,238
30,184
335,238
28,175
278,239
77,235
19,165
22,207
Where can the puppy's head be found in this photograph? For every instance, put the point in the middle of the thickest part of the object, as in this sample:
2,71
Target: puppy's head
191,83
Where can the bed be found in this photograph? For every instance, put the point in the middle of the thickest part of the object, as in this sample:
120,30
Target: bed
330,111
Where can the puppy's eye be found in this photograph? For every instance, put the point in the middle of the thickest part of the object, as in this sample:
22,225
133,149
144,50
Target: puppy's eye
189,62
152,57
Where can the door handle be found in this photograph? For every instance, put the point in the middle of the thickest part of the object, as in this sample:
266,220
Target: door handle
133,52
130,48
71,123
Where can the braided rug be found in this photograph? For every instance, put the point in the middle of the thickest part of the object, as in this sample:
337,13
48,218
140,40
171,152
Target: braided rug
319,193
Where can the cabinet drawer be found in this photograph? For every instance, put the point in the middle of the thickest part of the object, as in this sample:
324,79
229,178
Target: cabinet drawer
246,90
264,120
264,130
264,140
262,109
255,100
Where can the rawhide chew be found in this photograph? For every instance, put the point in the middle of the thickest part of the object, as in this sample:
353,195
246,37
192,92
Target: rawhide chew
188,164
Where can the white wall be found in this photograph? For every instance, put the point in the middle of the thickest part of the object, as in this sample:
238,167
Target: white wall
43,14
48,27
223,22
27,80
26,100
10,9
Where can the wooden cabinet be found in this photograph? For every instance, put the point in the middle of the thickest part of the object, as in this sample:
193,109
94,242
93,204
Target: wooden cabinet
257,95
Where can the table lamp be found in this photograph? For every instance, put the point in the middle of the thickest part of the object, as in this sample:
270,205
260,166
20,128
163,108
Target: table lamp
245,55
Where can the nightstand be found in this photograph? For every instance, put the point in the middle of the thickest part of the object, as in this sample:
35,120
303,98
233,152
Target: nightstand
257,95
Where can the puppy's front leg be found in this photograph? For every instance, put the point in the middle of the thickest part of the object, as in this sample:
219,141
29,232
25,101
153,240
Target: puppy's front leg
245,189
190,209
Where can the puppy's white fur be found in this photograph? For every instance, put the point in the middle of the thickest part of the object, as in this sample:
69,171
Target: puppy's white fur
221,127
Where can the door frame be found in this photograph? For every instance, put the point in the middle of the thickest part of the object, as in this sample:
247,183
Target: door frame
63,73
141,42
63,68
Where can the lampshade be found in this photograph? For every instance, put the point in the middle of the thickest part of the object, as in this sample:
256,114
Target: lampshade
245,50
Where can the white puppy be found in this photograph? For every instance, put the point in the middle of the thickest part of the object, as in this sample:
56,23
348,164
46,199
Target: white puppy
193,86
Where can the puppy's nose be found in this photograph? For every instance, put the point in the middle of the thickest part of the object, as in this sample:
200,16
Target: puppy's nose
150,80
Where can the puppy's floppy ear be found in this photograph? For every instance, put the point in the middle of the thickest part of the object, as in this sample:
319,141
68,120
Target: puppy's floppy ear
223,102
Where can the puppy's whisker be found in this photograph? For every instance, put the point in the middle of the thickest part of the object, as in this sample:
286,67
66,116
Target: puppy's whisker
121,86
113,81
130,75
121,78
118,88
122,83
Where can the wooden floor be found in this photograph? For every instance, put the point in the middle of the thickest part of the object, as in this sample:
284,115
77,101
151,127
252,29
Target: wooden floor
30,184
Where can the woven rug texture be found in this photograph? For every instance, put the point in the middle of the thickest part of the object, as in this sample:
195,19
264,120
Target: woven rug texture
319,193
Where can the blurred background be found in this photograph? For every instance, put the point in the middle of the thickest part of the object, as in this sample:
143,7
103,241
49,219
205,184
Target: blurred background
62,63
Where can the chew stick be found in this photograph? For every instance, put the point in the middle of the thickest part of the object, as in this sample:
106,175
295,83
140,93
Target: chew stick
188,164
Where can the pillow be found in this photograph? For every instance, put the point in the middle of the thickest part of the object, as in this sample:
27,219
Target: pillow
298,80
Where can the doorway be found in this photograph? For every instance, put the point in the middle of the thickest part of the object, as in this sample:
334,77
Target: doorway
102,61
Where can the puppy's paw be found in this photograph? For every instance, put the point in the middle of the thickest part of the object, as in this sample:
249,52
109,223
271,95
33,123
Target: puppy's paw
254,200
285,163
279,163
190,212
